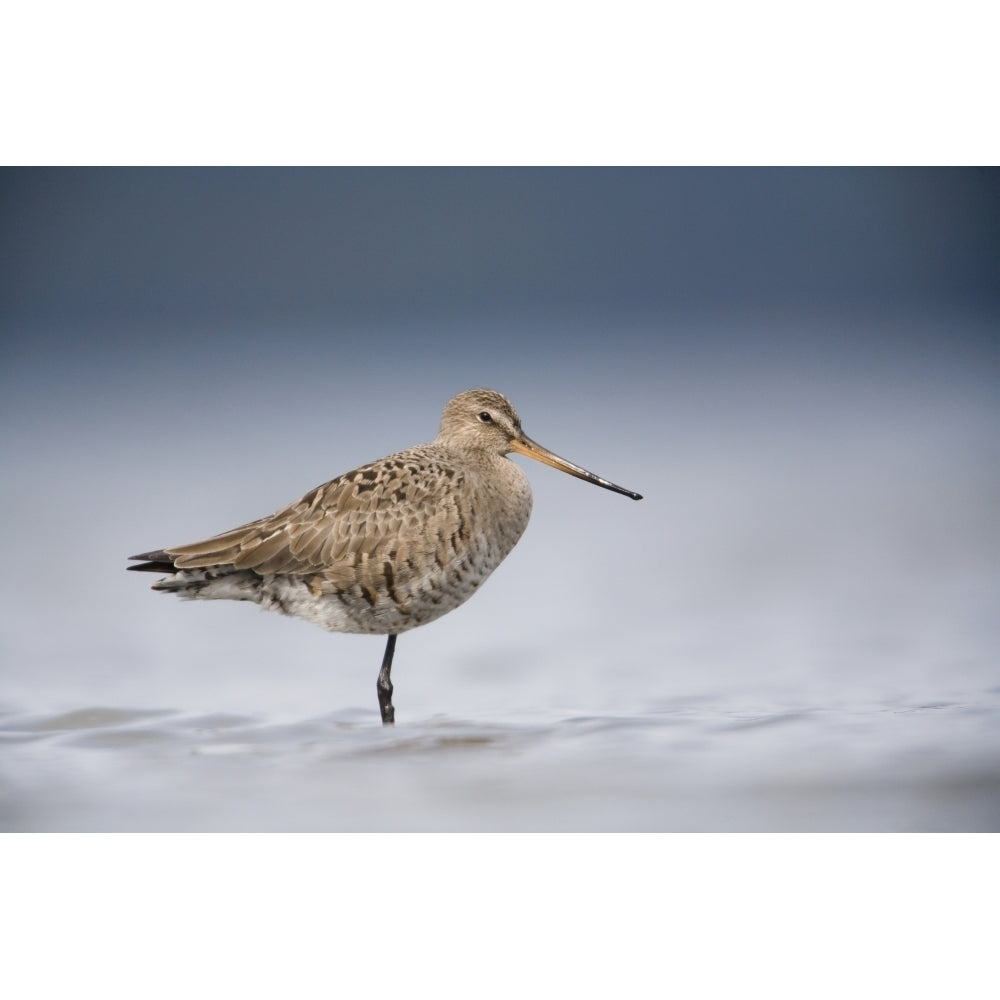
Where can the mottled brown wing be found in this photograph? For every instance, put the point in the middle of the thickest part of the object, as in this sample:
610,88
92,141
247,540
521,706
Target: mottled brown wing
401,509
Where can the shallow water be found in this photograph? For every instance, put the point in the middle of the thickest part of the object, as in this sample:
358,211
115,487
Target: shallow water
697,764
796,629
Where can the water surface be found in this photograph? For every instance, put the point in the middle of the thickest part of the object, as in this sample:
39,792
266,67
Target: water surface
694,765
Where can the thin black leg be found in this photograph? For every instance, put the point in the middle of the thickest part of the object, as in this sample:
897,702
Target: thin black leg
384,686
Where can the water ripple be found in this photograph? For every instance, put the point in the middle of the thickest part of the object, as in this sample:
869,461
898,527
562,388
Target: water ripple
678,766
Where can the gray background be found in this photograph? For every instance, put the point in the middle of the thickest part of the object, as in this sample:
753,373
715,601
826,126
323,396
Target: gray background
796,629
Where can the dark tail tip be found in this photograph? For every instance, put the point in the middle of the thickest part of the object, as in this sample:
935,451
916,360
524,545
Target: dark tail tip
155,562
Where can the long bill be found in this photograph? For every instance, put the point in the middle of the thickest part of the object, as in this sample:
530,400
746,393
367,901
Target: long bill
525,446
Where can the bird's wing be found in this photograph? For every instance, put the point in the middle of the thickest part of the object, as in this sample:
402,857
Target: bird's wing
393,510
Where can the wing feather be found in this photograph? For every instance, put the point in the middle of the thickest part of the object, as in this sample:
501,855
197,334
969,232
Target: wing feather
346,527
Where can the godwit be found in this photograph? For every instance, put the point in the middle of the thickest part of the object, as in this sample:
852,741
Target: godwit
387,547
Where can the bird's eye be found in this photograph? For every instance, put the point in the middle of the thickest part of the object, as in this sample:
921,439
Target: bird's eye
485,417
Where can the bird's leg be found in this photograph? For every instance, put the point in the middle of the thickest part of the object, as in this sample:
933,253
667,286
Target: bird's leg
384,686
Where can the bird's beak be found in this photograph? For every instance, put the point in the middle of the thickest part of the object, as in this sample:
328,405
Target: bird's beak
523,445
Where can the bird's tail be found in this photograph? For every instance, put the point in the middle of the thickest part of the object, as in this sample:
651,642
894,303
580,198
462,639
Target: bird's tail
154,562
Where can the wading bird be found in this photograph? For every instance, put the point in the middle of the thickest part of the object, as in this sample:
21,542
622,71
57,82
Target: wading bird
387,547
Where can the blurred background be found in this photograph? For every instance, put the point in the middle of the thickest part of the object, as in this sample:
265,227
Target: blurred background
796,628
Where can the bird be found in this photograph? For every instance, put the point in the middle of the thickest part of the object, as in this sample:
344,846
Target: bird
390,546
